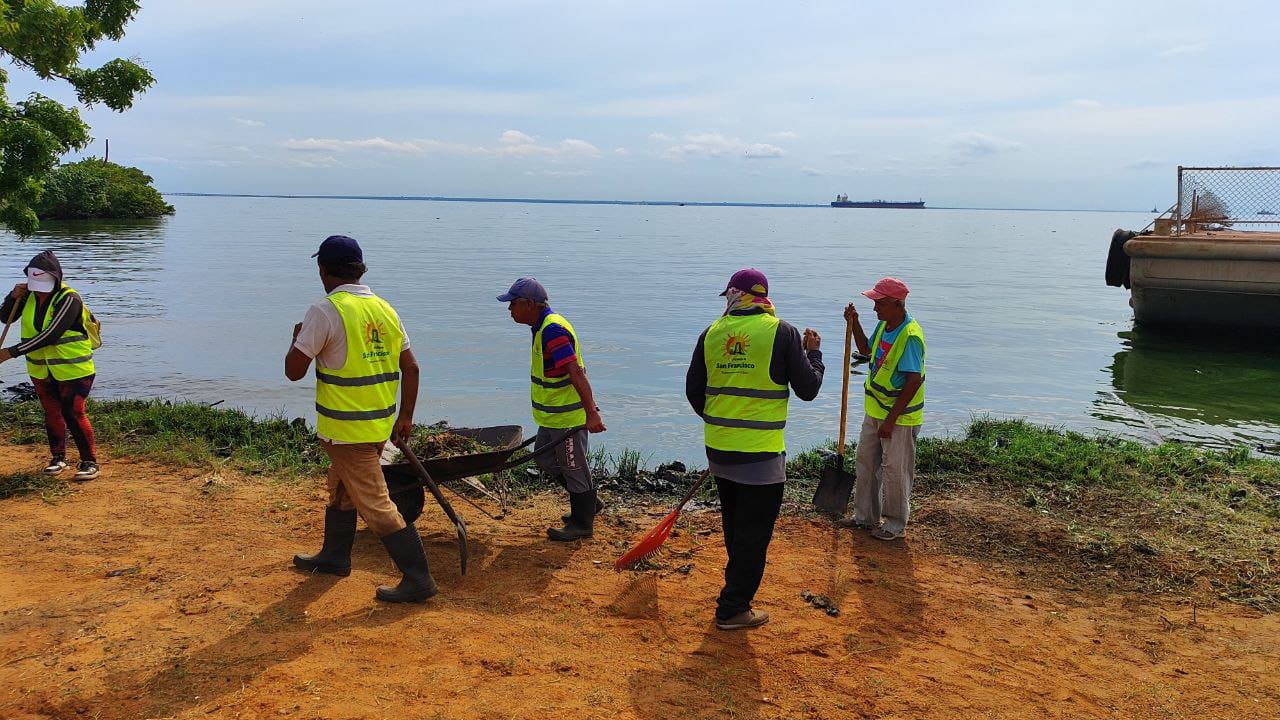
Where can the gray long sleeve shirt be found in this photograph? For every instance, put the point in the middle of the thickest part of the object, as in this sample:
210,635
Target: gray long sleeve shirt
791,365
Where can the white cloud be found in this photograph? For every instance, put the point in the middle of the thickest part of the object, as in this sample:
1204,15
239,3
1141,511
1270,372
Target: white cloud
1147,164
560,173
1188,49
970,146
621,151
249,123
715,145
661,137
812,171
514,143
332,145
784,135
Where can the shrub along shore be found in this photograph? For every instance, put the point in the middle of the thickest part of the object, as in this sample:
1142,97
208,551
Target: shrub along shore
1082,510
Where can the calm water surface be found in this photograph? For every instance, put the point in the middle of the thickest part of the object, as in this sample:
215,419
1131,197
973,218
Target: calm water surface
200,306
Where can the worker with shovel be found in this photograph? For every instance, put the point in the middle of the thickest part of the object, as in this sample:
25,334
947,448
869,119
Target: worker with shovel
894,405
562,399
737,382
362,357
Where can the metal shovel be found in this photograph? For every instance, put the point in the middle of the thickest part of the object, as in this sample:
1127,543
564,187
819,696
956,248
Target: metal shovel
836,483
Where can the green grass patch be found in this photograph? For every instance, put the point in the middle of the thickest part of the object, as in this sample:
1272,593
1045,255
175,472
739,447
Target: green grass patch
185,433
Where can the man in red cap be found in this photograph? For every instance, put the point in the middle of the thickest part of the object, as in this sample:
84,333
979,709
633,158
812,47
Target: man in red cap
894,404
738,384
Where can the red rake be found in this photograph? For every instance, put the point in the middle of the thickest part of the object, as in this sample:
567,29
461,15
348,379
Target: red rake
652,541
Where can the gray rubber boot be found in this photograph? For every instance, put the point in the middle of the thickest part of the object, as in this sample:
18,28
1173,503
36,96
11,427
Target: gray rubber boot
405,548
334,557
581,522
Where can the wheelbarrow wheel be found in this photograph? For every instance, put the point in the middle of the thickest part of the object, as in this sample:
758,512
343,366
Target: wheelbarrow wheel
410,502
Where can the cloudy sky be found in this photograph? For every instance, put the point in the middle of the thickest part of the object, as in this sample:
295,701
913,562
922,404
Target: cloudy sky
984,104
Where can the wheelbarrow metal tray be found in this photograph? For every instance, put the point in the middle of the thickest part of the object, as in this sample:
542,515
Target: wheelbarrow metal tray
503,439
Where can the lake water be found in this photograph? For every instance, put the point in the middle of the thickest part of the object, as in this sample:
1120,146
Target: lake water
1019,323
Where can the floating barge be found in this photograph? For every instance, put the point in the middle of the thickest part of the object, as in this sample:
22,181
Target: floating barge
1199,267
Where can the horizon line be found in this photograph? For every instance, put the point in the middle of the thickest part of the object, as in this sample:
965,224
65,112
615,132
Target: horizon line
553,201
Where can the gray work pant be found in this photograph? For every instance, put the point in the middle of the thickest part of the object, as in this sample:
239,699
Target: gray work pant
886,469
568,462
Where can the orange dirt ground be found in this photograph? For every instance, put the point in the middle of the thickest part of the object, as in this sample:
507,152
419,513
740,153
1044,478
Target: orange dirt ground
209,620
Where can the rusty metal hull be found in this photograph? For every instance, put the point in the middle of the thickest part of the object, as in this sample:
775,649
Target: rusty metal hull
1229,279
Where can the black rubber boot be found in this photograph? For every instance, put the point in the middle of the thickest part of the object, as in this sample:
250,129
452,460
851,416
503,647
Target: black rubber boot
599,509
581,522
334,557
405,547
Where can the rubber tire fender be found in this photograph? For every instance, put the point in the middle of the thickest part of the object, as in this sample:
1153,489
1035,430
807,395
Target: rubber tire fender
1118,259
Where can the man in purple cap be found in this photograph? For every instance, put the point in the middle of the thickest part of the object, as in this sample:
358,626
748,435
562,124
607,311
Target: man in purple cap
894,404
562,400
362,358
737,383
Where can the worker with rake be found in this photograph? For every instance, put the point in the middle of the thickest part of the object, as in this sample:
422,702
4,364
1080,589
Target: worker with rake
737,382
562,399
362,358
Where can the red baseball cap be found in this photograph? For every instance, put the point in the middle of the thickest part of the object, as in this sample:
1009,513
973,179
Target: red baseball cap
888,288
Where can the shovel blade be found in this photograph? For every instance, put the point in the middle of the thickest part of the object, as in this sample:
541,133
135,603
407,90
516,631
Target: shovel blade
834,488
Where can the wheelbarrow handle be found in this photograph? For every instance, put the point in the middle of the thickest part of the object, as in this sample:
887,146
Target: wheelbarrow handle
439,496
537,451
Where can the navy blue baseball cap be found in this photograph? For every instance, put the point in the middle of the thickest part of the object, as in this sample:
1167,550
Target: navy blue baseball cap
526,288
339,248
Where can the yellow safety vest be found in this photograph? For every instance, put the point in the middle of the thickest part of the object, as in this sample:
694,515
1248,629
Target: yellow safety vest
881,393
70,357
358,402
746,410
556,402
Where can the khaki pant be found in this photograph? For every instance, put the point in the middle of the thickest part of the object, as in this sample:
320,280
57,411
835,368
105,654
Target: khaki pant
886,470
356,482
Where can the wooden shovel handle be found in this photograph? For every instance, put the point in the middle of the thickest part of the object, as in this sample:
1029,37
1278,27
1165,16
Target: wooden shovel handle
844,390
13,314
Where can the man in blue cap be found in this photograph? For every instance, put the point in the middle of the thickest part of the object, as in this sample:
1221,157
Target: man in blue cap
362,358
562,399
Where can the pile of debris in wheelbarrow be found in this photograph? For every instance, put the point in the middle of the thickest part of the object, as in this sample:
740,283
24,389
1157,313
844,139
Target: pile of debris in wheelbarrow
457,458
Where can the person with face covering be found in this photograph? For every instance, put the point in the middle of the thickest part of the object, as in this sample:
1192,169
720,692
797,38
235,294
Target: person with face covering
738,382
59,352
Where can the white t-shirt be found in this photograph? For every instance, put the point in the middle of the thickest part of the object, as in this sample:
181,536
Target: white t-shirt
323,337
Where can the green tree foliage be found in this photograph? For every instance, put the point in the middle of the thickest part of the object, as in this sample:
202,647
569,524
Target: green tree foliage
47,39
93,188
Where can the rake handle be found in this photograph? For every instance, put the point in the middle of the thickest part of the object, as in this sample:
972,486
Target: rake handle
694,490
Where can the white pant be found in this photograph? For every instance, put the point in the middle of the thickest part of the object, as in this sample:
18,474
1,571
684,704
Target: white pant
886,469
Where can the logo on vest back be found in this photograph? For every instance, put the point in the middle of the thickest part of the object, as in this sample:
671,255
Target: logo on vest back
735,350
375,346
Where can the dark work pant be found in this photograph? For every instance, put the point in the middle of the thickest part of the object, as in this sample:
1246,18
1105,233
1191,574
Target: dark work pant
63,402
748,513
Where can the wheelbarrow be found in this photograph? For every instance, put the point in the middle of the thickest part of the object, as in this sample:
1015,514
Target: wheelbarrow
407,485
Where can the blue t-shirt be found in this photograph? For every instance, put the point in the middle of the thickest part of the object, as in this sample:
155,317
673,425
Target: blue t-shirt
912,359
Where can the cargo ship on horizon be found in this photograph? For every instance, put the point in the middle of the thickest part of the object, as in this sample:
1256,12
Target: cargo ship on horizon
842,201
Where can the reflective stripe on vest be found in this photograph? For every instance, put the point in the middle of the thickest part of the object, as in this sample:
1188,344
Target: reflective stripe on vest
556,403
69,357
746,411
880,392
357,402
